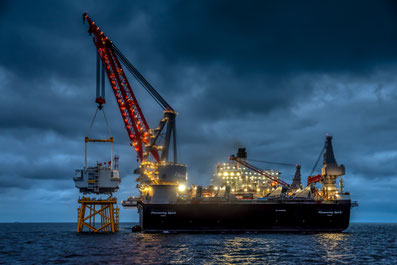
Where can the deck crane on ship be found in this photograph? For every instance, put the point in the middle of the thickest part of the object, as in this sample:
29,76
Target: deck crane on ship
159,172
329,173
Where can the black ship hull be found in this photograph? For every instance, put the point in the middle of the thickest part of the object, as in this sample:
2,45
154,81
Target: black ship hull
267,216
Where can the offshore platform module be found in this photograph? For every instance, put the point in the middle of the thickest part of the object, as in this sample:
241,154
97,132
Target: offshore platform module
101,179
242,197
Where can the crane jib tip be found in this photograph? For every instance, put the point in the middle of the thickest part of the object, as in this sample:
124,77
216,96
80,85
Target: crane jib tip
84,16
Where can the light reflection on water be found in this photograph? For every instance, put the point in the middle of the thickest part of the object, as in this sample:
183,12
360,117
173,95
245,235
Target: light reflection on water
58,243
333,246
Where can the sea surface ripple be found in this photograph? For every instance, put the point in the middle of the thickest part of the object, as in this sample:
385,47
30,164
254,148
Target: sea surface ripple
58,243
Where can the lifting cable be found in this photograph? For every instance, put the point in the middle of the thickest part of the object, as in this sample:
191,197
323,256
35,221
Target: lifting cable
100,94
149,88
133,71
270,162
139,77
106,121
93,119
318,159
107,124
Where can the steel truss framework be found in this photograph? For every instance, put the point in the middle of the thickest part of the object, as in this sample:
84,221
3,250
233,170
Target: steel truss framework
91,211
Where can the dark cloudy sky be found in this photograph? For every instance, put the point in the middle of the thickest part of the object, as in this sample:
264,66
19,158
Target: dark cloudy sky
273,76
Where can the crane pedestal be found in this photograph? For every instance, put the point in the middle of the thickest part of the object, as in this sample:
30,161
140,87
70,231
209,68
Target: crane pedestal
100,215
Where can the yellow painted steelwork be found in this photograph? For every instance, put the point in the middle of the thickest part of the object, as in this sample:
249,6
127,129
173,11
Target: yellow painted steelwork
110,139
105,209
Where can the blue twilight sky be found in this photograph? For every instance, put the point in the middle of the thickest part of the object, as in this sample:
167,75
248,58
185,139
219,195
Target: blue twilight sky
273,76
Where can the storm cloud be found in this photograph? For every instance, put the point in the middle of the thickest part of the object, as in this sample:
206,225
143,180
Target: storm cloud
274,77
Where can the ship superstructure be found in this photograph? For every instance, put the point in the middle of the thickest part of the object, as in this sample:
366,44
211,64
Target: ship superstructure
241,197
241,179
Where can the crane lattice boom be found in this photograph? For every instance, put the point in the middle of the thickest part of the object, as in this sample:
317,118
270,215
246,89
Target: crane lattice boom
257,170
134,120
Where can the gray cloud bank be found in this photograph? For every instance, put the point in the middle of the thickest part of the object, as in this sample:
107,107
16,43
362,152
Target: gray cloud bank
274,77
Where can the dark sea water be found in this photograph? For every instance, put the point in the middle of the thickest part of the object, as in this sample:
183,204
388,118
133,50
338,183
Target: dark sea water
41,243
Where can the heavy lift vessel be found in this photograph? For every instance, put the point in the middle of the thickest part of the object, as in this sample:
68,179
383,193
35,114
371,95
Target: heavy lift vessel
166,204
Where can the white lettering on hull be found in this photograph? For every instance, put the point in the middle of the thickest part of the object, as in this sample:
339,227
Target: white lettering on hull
163,213
330,213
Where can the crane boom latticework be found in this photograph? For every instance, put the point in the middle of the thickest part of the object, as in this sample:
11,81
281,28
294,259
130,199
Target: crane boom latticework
134,120
162,171
257,170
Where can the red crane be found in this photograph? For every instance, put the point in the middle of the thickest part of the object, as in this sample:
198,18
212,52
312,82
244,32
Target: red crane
314,179
141,136
257,170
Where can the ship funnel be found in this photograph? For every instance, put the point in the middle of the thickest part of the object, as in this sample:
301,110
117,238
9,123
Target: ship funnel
241,153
